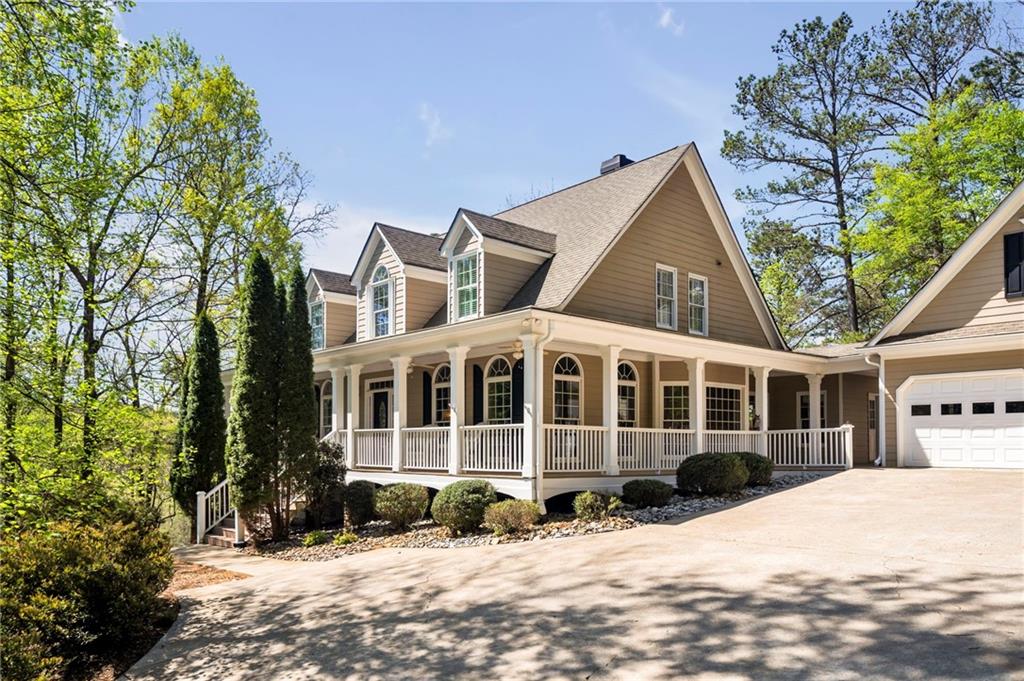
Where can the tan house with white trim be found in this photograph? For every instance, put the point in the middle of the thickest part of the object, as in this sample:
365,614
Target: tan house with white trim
608,330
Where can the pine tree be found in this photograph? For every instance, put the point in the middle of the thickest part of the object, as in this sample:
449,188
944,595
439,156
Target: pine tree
252,433
199,463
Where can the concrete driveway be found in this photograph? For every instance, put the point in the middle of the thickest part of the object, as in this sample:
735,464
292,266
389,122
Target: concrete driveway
904,574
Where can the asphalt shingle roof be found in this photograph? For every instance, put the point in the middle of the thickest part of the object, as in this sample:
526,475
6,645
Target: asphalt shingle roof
503,230
980,331
335,282
415,248
585,219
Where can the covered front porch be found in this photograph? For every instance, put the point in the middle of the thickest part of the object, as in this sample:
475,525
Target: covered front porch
538,402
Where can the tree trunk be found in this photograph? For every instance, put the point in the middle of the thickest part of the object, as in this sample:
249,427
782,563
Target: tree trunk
10,351
849,284
90,348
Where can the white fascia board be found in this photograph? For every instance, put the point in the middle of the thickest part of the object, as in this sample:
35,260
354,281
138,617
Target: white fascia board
334,297
364,256
956,262
417,272
956,346
459,223
508,249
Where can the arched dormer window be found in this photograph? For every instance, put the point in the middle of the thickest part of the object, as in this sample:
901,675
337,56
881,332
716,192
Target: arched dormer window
381,302
498,390
442,395
568,388
627,390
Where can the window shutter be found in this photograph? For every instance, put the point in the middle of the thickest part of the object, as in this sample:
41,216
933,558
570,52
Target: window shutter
517,392
428,400
1013,264
478,394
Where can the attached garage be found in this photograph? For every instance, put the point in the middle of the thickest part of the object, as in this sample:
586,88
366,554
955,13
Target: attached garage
962,420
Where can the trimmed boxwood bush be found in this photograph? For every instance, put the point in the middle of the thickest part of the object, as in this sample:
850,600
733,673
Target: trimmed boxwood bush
511,516
401,504
759,467
460,506
314,538
712,473
359,502
644,493
594,505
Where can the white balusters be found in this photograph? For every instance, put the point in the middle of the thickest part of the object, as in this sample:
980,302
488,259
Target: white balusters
373,447
426,448
496,448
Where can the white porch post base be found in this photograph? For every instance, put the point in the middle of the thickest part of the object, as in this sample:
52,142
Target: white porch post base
457,404
761,405
352,414
399,408
610,383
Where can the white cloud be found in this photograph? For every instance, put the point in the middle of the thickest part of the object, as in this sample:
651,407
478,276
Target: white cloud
436,132
667,20
704,107
339,249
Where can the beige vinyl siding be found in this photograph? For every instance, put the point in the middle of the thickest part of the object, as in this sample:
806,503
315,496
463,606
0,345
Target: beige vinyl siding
422,298
467,242
382,255
673,230
899,370
856,389
503,277
976,295
339,323
782,401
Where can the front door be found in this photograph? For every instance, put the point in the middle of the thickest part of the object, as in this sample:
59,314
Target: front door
872,426
380,409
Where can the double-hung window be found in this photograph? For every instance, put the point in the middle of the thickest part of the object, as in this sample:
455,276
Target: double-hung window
665,296
316,325
675,406
499,391
804,406
467,287
698,305
380,302
724,408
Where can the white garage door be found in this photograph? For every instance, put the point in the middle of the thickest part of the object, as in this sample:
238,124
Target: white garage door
968,420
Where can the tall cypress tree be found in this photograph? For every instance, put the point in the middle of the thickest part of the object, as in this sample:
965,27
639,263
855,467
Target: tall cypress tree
297,410
252,432
202,427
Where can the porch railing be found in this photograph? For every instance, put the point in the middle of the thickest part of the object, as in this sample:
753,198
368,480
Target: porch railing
732,441
212,507
820,448
574,449
373,447
426,448
654,449
492,448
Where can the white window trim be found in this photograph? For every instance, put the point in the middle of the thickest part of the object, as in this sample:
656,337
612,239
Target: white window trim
689,398
636,391
371,320
323,322
824,408
674,326
707,304
491,380
732,386
454,315
326,393
367,414
555,377
433,393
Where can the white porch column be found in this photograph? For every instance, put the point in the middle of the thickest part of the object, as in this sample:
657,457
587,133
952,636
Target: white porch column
336,376
695,369
457,402
761,404
530,419
657,410
814,414
538,419
352,402
399,408
610,383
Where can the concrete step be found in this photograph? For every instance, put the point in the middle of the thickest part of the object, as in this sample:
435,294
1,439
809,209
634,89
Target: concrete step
220,541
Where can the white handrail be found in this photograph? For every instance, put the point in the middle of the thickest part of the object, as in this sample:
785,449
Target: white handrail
373,447
572,449
211,508
495,448
816,448
426,448
654,449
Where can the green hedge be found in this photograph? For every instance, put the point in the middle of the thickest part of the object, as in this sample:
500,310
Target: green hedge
712,473
401,504
359,497
759,467
460,506
511,516
594,505
644,493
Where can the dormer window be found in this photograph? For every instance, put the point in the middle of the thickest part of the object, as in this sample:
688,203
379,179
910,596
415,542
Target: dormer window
380,302
316,325
467,287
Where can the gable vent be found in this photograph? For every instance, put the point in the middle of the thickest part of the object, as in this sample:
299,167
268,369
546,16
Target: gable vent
614,163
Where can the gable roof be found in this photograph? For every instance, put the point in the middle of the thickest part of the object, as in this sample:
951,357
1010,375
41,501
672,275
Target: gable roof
415,248
999,217
511,232
335,282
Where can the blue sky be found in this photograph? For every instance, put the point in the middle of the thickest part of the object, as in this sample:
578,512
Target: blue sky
404,113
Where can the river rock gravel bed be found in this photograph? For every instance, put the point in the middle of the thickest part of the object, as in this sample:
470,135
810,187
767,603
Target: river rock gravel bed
426,534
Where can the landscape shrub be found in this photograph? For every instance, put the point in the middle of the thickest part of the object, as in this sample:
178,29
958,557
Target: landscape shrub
460,506
314,538
644,493
511,516
345,538
359,502
72,590
590,506
401,504
759,467
712,473
325,493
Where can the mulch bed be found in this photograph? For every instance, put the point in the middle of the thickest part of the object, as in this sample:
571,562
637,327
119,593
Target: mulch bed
427,534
